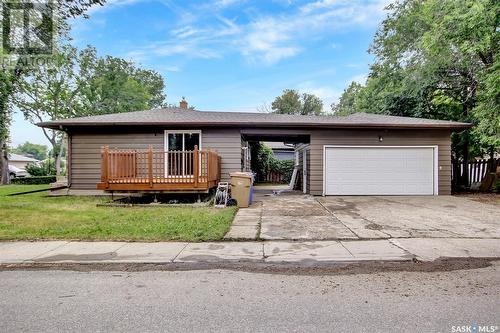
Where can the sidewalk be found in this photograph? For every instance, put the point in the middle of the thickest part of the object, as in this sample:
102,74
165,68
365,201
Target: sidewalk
396,249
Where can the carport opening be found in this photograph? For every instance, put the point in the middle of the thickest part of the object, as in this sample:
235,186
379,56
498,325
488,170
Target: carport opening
278,161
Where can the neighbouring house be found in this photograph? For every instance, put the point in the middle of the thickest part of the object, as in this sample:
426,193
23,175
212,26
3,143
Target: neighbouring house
281,151
178,149
20,161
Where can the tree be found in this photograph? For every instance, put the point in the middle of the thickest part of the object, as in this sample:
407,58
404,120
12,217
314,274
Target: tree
348,100
311,105
113,85
439,59
12,70
50,92
82,84
33,150
291,102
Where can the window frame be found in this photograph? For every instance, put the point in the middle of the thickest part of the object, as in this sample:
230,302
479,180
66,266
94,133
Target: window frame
167,132
165,144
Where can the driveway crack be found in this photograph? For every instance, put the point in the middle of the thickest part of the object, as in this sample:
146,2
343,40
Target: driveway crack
399,246
259,224
183,248
46,252
333,215
342,244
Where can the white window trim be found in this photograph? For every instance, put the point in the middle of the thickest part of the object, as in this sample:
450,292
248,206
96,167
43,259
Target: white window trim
165,143
435,161
167,132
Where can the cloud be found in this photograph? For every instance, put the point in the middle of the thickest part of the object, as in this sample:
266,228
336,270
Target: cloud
275,37
110,4
268,40
205,32
312,6
360,78
227,3
327,94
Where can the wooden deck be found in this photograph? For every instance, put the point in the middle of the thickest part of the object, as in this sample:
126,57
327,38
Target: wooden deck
160,171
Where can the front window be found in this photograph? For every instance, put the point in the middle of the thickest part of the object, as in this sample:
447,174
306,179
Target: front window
179,156
184,141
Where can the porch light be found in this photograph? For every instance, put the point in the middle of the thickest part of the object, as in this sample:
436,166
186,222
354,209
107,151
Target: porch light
380,138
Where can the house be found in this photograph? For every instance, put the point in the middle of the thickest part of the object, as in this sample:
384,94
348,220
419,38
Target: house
178,149
281,151
20,161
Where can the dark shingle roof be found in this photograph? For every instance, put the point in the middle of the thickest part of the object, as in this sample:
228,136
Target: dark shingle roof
183,117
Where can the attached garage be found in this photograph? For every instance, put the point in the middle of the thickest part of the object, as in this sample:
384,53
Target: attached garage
380,170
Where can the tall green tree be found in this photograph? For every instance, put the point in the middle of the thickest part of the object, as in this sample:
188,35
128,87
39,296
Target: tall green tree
292,102
33,150
14,67
50,92
348,100
112,85
439,59
83,84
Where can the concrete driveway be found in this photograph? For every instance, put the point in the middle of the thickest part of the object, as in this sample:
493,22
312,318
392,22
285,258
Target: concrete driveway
301,217
423,217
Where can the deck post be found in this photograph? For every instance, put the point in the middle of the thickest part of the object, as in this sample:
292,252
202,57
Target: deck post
105,166
209,160
150,165
196,165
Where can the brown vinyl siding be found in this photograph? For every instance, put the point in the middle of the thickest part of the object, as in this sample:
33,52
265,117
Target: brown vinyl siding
227,143
86,151
421,137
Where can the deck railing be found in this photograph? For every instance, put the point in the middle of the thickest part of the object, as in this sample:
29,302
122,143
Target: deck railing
125,169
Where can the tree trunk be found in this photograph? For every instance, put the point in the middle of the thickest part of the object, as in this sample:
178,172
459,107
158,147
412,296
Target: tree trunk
4,163
58,153
465,153
465,149
57,158
8,80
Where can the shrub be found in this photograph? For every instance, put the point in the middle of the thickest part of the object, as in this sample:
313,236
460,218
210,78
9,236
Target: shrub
496,187
33,180
45,168
37,170
283,167
263,162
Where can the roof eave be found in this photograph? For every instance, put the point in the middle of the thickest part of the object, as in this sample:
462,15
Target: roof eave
66,125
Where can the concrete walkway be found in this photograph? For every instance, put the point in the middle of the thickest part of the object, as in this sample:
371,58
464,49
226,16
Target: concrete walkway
270,251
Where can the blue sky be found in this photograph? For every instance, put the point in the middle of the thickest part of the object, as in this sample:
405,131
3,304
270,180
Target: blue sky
233,55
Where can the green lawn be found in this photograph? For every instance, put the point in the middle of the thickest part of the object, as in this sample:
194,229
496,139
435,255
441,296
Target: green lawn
37,216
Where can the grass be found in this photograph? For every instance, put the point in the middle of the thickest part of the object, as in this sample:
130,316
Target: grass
37,216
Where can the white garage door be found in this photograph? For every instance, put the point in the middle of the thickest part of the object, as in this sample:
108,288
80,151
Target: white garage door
379,171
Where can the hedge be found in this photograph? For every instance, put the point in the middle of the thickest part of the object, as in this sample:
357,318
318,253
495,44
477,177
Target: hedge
33,180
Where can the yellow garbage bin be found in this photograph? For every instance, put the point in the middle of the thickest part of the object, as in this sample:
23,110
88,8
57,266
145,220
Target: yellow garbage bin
240,188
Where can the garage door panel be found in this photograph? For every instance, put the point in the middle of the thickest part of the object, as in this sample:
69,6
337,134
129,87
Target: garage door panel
379,171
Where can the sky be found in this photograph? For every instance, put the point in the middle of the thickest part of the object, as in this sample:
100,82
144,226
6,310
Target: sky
233,55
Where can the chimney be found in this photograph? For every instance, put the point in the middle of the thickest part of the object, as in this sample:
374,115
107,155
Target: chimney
183,104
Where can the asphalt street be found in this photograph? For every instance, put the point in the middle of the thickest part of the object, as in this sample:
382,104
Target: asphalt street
229,301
